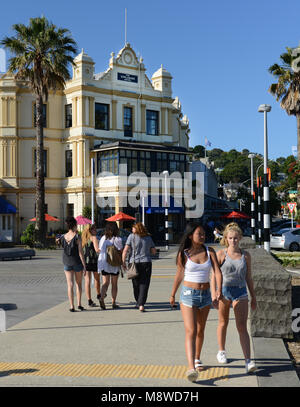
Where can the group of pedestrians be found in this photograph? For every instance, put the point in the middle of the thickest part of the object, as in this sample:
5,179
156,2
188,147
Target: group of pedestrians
209,279
219,279
84,255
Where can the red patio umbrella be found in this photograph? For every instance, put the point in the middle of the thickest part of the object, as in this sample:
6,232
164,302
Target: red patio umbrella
120,216
81,220
236,215
47,218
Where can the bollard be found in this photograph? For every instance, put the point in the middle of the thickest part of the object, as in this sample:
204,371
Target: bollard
2,320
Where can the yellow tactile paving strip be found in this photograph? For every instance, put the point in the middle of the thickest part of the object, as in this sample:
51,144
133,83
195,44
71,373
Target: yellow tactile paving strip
106,370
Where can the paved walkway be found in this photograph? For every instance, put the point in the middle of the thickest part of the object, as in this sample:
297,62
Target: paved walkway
121,347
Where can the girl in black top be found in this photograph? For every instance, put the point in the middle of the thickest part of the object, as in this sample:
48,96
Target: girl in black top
90,250
73,260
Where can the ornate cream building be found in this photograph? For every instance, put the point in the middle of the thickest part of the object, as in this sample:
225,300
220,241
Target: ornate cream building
119,115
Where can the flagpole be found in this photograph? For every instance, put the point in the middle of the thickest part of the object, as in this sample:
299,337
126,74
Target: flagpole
92,188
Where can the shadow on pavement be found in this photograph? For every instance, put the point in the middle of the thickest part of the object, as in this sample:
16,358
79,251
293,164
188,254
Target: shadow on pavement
8,307
17,371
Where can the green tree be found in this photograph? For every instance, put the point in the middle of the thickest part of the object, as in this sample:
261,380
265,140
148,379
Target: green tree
87,212
27,237
199,151
42,53
287,88
287,91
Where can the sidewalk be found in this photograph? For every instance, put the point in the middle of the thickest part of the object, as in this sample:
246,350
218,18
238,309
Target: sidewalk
127,348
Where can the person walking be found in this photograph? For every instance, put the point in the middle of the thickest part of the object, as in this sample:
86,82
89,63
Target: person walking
194,263
235,265
217,234
109,273
141,246
73,260
91,250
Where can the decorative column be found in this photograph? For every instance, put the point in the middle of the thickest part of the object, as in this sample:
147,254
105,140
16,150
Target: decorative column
91,111
163,120
143,118
114,114
74,112
170,126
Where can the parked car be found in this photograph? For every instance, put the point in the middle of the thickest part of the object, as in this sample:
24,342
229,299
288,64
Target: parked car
123,234
287,239
282,225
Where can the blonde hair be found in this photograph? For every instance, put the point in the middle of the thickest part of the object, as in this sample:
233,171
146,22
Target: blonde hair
87,234
231,227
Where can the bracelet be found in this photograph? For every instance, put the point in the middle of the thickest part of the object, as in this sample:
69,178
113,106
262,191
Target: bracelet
172,296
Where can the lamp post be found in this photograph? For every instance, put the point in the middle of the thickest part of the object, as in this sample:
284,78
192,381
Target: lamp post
251,156
92,189
264,109
166,174
259,205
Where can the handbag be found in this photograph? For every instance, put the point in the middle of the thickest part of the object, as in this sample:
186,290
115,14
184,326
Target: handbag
132,269
113,256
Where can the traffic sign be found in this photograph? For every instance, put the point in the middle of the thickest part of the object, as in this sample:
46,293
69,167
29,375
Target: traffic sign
292,206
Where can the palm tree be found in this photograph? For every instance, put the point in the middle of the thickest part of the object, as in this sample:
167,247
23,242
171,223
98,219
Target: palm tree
42,53
287,89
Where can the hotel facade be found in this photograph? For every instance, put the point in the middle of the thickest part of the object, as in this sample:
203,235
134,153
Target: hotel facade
118,116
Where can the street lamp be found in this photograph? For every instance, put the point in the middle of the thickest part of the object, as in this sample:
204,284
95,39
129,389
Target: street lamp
259,224
166,174
264,109
251,156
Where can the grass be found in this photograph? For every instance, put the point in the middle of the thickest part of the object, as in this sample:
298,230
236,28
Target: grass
287,259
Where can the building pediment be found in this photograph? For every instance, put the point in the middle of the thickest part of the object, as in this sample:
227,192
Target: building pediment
127,57
126,70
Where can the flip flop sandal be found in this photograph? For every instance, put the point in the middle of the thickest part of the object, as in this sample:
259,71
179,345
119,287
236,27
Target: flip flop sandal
199,365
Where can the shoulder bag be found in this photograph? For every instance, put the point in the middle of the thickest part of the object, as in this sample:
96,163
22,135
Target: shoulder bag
132,269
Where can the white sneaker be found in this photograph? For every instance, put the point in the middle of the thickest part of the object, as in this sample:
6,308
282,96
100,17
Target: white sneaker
221,356
250,366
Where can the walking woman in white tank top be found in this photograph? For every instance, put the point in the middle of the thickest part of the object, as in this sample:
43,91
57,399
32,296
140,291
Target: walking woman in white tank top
236,271
194,264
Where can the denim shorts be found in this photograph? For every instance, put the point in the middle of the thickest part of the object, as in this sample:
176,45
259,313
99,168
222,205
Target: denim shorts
76,267
195,298
235,293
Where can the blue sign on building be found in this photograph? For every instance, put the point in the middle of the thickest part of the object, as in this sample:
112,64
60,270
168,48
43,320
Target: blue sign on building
127,77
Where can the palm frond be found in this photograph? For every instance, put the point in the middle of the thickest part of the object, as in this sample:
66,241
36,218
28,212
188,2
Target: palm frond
42,53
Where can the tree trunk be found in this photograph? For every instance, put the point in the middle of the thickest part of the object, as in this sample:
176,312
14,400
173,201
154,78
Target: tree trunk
40,225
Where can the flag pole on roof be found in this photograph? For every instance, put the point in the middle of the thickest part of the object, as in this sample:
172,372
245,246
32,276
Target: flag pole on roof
207,143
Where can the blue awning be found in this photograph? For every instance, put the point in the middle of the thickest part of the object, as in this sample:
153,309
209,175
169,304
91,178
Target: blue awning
6,207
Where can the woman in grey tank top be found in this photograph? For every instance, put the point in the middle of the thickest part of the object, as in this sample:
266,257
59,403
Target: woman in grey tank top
235,265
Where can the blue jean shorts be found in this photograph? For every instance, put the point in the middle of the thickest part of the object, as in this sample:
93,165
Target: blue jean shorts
76,267
195,298
235,293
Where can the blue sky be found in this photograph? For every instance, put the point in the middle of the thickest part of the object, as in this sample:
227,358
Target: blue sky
217,52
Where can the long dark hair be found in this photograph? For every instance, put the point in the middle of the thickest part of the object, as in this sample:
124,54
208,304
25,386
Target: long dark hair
111,229
71,222
186,241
